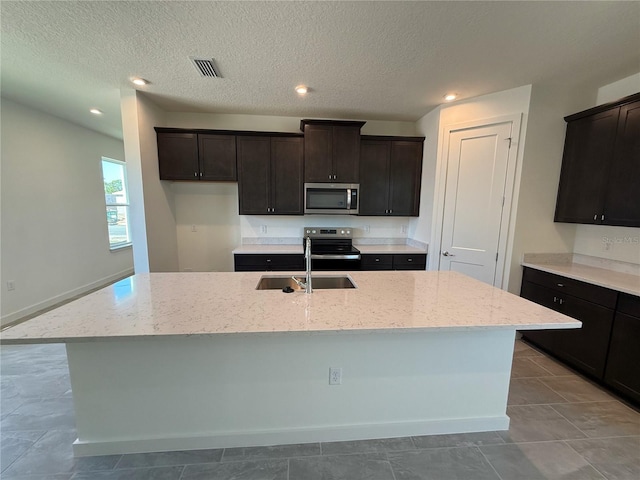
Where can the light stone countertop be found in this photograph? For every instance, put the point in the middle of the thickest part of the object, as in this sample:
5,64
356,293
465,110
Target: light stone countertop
184,304
604,277
297,249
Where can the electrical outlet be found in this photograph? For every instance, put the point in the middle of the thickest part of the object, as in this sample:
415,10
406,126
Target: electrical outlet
367,228
335,376
193,228
11,285
263,229
403,229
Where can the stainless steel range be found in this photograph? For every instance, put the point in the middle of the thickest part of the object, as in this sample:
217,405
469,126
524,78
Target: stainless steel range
332,248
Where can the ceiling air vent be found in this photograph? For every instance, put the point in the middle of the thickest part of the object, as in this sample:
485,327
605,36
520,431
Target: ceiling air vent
206,67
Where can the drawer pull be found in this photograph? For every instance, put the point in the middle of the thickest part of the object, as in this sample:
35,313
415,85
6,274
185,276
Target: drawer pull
377,259
561,284
409,259
561,301
555,299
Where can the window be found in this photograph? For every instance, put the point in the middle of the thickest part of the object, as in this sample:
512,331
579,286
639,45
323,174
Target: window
117,201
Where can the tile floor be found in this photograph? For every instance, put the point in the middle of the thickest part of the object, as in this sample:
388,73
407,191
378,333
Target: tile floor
562,427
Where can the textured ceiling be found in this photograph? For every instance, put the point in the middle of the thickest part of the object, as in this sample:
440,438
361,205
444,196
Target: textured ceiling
363,60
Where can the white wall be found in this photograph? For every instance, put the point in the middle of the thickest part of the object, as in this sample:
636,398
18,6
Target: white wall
154,228
54,241
614,243
535,230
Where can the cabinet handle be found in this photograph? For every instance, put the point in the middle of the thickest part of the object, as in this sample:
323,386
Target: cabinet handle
200,173
595,217
561,284
377,259
555,299
561,301
329,177
390,211
602,218
195,174
409,259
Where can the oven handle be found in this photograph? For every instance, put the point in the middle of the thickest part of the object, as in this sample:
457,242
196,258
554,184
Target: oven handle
335,257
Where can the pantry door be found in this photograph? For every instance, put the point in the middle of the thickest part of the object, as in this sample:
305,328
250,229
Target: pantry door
476,190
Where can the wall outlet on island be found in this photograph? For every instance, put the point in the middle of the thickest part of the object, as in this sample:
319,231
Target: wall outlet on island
335,376
263,229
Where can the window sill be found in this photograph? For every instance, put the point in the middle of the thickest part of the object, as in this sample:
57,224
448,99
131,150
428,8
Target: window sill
119,246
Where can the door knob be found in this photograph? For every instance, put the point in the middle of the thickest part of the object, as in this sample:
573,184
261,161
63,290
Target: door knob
447,254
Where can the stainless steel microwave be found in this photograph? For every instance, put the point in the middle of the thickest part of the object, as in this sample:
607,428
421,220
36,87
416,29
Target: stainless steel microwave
331,198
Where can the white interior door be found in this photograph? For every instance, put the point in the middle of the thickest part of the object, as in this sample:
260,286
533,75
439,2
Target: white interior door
477,163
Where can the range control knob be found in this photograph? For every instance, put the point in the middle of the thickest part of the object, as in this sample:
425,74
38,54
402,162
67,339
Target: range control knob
341,232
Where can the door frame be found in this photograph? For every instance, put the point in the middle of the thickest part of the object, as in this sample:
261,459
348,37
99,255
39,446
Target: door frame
513,171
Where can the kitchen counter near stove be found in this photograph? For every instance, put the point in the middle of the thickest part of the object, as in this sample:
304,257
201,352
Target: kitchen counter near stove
380,249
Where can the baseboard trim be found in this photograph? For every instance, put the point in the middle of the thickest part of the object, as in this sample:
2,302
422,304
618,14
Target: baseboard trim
290,436
22,314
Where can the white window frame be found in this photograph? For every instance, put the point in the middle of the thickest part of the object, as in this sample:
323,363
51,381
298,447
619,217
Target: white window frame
118,246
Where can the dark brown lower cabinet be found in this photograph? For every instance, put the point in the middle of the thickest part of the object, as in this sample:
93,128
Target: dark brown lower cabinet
606,347
268,263
395,261
623,364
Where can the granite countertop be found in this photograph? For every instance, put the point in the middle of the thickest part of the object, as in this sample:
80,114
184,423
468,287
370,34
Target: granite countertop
184,304
620,276
297,249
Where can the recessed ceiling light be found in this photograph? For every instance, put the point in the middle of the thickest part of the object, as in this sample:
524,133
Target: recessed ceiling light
450,96
139,81
95,111
301,89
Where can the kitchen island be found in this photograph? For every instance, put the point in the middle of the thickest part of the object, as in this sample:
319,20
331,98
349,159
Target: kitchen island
172,361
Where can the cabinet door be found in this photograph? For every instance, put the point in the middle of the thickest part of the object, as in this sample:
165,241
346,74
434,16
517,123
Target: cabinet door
409,261
178,156
374,177
346,153
405,178
286,175
217,157
318,153
254,154
622,202
585,163
545,339
623,362
585,348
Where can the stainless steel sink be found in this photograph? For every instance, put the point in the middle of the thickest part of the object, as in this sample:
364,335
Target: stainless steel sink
320,282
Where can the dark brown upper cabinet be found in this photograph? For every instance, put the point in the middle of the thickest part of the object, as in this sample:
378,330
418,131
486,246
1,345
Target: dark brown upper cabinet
270,171
331,150
600,178
390,176
184,155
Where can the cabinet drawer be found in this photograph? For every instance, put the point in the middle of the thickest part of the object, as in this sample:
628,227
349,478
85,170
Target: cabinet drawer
260,263
376,262
629,304
563,285
409,261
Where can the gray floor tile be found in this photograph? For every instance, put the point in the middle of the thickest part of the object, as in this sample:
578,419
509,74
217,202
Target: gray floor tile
539,461
251,470
30,385
365,466
535,423
61,476
617,458
602,419
521,349
14,444
458,440
524,367
368,446
153,473
162,459
442,464
576,389
551,365
277,451
531,391
53,454
46,414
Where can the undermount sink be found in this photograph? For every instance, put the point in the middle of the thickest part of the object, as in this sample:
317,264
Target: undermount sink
320,282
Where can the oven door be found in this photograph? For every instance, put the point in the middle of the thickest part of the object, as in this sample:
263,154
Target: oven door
330,198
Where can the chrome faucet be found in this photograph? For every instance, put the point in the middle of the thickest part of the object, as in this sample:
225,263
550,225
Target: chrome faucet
307,256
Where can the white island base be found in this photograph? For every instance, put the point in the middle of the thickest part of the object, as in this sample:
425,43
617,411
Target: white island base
250,389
